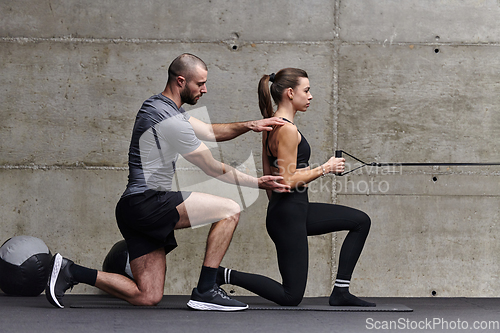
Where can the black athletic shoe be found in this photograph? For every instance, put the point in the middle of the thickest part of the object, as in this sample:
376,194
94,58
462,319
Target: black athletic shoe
60,280
214,299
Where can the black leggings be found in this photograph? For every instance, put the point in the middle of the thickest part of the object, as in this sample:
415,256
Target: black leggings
290,219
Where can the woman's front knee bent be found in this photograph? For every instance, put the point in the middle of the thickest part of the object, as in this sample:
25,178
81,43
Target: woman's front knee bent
368,220
364,221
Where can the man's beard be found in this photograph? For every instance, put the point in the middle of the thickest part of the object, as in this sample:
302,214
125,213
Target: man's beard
187,98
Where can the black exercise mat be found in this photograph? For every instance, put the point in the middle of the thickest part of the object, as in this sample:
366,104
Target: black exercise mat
254,303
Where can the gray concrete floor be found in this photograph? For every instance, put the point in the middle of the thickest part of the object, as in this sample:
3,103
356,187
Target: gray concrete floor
35,314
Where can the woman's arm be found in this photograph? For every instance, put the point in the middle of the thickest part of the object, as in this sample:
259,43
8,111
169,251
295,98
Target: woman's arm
288,140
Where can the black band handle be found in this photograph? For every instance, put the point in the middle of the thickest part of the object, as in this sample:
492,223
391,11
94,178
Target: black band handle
338,154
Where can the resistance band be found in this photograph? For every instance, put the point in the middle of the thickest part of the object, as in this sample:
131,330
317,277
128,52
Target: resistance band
338,154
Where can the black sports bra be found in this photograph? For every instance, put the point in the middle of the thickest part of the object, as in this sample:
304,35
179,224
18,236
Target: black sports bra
303,152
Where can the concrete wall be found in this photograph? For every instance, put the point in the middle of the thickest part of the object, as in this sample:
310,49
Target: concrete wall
393,81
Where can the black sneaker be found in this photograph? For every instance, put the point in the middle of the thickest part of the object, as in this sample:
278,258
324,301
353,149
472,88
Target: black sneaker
60,280
214,299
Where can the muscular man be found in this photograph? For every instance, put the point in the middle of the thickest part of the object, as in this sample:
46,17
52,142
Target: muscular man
149,211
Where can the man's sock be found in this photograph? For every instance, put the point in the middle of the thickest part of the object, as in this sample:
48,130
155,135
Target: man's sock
342,297
207,279
83,274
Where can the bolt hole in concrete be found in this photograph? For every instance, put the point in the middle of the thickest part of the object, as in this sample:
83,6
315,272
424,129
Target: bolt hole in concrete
235,47
434,179
436,50
434,293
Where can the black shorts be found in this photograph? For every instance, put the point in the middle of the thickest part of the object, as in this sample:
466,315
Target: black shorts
147,221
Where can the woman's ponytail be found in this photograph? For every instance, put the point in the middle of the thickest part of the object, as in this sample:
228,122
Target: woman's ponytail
265,103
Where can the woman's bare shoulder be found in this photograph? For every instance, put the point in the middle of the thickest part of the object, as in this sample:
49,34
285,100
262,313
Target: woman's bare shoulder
287,134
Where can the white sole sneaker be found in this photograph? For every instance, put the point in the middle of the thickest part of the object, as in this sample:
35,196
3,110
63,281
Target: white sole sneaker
196,305
56,268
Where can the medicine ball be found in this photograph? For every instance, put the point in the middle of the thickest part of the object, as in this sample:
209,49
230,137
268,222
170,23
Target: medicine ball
117,260
24,266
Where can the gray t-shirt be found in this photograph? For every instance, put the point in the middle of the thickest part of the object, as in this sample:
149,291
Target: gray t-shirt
161,132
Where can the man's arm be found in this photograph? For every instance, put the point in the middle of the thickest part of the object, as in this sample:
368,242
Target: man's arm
202,158
224,132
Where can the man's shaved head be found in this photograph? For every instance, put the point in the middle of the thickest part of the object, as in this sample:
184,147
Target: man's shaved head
184,65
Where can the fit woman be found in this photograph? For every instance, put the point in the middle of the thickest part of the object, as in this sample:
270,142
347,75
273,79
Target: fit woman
290,216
